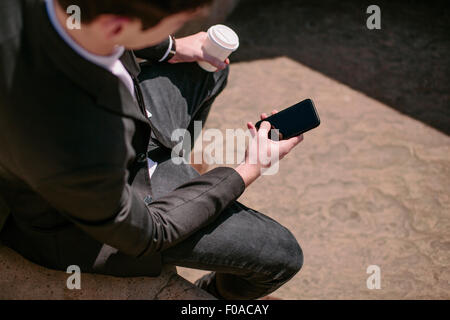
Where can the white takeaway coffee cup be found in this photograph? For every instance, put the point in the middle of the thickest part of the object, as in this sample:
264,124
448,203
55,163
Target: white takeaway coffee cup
221,42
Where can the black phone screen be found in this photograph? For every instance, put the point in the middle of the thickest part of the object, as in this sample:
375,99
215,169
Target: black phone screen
294,120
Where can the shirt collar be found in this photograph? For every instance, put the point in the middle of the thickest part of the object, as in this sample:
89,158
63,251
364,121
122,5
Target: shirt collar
106,62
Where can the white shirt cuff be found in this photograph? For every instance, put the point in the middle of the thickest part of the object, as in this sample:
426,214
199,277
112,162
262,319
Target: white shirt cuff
168,50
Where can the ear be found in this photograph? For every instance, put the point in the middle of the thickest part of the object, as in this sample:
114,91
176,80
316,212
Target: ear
112,25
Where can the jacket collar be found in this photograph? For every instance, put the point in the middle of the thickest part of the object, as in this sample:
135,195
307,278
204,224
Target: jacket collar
106,62
108,91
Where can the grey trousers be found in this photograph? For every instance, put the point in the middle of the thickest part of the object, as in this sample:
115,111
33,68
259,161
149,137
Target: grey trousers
250,255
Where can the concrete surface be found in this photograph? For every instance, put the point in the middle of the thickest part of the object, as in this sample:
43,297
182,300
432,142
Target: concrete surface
370,186
21,279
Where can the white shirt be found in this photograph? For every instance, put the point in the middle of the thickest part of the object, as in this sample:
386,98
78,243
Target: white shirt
111,63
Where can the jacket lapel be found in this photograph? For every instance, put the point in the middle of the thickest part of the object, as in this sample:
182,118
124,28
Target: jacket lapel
129,61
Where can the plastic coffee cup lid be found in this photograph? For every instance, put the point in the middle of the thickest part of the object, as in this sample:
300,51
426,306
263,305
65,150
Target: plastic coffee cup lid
224,36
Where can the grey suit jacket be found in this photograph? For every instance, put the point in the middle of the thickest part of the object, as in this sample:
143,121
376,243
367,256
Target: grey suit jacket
72,150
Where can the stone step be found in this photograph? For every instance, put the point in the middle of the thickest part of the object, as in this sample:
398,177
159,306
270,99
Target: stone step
22,279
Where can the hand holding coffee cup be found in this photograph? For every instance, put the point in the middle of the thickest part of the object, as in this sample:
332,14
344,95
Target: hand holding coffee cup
221,41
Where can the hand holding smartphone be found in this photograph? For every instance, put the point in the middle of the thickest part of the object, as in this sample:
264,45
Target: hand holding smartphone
294,120
290,123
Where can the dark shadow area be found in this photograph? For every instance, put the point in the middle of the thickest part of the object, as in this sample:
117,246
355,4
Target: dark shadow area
405,65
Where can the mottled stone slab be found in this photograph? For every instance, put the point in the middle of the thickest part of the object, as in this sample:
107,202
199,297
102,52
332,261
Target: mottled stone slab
370,186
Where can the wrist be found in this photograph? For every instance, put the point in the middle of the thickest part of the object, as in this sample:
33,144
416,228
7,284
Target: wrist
248,172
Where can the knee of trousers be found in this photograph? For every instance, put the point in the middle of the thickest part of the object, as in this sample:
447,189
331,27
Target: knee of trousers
291,257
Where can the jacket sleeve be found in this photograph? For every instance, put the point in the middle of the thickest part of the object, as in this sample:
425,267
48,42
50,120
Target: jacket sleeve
154,53
101,203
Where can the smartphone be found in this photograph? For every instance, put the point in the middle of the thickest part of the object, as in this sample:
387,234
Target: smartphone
294,120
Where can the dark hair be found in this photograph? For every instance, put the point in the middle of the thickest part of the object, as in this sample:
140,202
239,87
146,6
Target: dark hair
150,12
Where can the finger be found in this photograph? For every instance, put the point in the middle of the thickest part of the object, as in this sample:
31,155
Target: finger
291,142
297,140
274,111
227,61
264,129
263,116
265,125
252,129
220,65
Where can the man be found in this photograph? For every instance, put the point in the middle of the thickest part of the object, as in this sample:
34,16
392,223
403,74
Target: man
85,158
